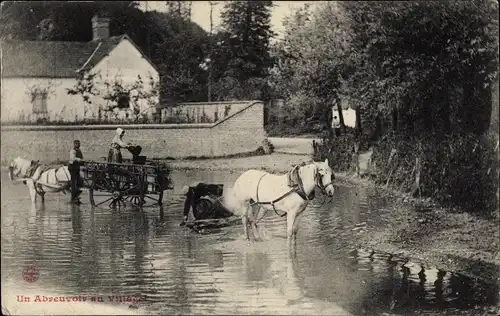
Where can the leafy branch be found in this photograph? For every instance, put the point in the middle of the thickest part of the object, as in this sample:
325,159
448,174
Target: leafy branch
117,96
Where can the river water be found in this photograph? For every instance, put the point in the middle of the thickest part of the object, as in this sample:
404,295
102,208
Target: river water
173,270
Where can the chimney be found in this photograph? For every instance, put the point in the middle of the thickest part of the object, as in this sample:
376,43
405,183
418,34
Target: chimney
100,28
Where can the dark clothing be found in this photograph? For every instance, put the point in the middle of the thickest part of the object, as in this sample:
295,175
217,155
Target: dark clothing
210,207
74,170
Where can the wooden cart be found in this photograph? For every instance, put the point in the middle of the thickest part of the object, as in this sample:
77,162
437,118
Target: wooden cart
118,183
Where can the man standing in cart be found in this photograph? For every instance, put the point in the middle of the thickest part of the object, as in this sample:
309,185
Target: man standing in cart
75,160
115,154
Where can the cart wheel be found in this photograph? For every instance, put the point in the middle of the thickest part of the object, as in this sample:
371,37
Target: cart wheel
91,193
141,199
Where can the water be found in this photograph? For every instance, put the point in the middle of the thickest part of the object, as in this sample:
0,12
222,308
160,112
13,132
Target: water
80,251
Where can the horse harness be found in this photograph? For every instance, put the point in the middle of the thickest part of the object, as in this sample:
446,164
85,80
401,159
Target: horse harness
43,168
296,187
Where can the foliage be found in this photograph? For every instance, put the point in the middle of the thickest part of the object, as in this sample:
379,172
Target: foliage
64,21
422,53
410,70
455,169
241,54
46,90
394,56
139,97
339,150
309,61
180,8
174,43
179,53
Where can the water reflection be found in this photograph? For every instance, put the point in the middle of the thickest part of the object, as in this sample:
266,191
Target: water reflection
91,251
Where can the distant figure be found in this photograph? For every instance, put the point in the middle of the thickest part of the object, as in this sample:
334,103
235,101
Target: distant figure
336,125
115,154
75,160
203,199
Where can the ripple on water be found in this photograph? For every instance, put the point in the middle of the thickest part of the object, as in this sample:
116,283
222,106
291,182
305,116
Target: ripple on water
99,252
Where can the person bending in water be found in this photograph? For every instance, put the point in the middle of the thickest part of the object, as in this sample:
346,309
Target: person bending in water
211,192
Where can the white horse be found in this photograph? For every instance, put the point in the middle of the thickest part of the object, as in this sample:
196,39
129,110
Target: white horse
39,178
288,194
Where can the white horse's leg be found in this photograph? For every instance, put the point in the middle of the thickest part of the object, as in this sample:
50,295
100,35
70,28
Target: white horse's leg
244,220
295,228
31,187
290,222
253,211
259,213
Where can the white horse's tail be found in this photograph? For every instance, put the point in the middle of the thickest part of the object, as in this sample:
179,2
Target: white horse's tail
231,201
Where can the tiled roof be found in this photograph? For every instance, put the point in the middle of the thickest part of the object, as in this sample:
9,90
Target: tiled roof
51,58
100,51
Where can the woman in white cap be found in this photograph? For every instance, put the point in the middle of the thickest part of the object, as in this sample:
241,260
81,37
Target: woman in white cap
115,154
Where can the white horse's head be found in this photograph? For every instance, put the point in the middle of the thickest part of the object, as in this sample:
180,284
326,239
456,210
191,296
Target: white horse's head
324,177
19,168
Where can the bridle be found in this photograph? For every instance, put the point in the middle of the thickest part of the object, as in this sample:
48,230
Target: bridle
318,181
14,174
296,189
18,171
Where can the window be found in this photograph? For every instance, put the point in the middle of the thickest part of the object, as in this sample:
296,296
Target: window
123,100
39,102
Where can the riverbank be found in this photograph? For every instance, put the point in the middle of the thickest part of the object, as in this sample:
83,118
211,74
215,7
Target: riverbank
447,239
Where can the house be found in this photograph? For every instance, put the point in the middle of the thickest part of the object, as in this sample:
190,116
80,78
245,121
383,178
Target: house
348,114
37,76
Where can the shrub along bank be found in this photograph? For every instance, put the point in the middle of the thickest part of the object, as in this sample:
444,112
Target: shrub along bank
454,170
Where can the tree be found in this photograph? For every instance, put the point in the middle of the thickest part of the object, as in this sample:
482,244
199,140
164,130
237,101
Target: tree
310,60
416,53
429,63
181,9
244,45
179,54
105,96
67,21
210,51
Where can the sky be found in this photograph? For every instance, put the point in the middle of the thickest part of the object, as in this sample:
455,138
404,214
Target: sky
201,12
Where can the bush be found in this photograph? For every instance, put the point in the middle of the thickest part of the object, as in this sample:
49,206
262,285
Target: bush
339,149
456,170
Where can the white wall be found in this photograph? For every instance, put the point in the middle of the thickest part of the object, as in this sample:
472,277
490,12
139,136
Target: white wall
16,98
349,117
124,61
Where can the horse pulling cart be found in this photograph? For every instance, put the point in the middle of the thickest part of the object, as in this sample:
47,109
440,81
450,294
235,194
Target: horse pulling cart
118,183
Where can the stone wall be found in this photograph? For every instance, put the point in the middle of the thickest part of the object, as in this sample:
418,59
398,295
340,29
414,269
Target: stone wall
240,132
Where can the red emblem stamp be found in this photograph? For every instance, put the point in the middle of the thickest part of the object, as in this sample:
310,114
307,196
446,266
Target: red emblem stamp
30,274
